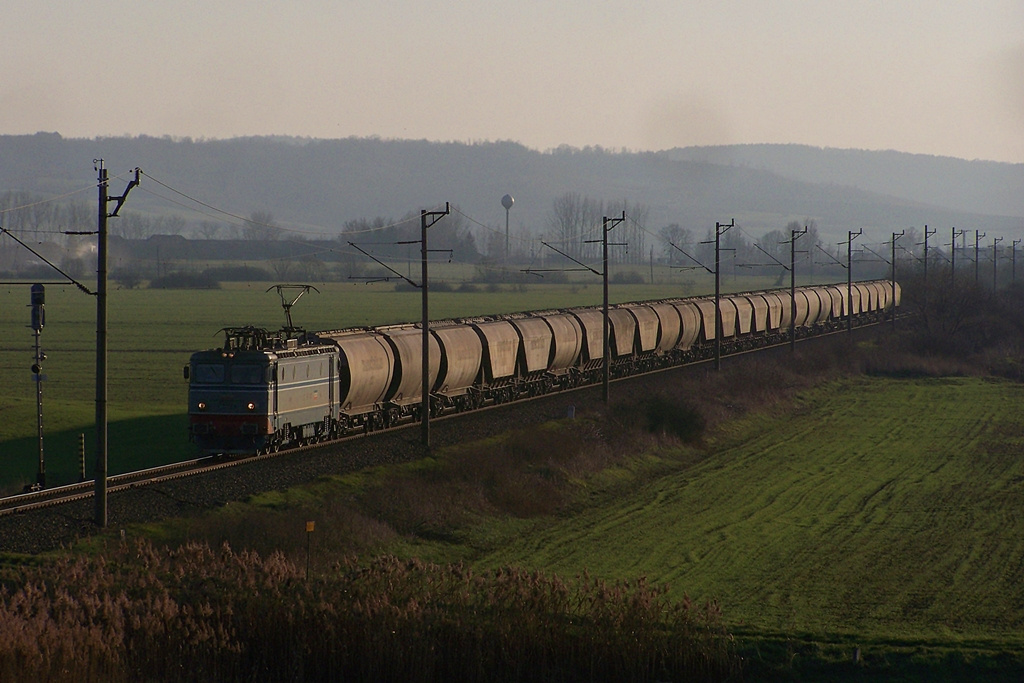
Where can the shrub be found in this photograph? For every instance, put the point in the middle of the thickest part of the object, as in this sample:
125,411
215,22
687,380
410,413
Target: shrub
129,278
184,281
241,273
630,277
674,417
441,286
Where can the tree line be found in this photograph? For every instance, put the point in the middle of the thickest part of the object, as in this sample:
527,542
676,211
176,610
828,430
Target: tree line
573,226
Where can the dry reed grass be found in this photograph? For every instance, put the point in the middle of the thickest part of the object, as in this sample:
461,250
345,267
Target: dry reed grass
192,613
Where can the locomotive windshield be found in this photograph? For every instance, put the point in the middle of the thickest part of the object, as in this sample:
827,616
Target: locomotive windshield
246,374
208,373
220,373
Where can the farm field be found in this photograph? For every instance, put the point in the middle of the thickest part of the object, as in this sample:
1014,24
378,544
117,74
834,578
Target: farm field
878,512
152,332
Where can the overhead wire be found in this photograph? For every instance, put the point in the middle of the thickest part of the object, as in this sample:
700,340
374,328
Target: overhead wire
58,197
45,260
242,220
318,230
595,229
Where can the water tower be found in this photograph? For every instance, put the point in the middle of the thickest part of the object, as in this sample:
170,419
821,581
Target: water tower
507,201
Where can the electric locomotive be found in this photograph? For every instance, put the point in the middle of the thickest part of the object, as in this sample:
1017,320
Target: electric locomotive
261,391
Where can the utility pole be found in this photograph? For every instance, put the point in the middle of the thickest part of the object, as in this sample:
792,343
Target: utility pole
101,335
952,256
977,256
895,236
850,236
101,353
607,225
927,233
995,259
427,219
720,229
793,237
1013,262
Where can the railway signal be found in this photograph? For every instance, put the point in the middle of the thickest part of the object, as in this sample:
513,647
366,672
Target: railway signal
38,301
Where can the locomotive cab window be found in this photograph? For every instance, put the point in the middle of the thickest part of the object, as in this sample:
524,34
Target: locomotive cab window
247,374
208,373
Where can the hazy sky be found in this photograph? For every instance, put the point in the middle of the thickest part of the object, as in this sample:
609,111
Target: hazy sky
931,76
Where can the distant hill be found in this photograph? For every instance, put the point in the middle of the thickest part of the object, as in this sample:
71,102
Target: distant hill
318,185
983,187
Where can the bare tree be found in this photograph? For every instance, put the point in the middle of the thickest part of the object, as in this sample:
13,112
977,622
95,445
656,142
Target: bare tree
284,268
811,242
311,268
632,232
170,225
575,219
912,243
261,225
494,244
79,216
131,225
452,232
208,229
677,235
774,244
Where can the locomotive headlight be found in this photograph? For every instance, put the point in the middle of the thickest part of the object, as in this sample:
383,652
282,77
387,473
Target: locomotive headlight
202,405
251,405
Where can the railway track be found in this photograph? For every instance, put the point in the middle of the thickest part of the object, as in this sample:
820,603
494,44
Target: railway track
70,493
61,495
43,498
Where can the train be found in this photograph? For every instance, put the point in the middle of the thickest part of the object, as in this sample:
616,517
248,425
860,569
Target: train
262,391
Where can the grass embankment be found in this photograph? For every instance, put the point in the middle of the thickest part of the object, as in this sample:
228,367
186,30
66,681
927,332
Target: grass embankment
869,517
878,510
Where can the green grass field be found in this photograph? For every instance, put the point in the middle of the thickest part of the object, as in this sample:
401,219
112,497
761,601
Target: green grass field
153,332
876,511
